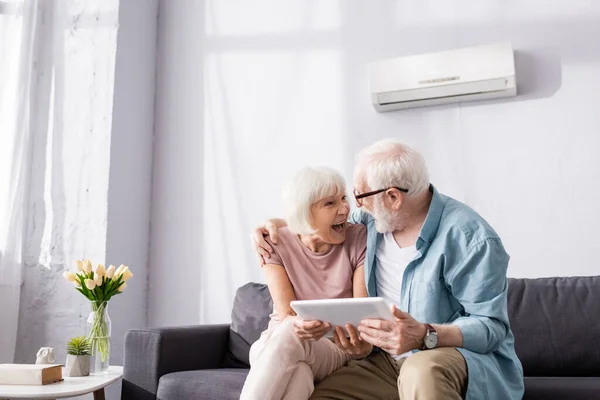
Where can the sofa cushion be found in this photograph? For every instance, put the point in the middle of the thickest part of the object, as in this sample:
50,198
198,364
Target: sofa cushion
544,388
250,316
556,325
221,384
554,320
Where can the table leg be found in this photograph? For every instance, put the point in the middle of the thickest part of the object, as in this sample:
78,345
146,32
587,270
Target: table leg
99,394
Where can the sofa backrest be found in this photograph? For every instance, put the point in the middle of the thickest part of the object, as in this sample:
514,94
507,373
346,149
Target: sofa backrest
556,323
250,316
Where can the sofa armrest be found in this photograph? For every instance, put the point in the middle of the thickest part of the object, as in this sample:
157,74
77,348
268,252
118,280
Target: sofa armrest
154,352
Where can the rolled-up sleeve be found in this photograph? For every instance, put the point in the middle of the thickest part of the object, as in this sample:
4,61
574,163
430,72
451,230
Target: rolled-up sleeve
479,283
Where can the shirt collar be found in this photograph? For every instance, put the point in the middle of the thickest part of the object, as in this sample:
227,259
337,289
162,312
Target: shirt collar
434,216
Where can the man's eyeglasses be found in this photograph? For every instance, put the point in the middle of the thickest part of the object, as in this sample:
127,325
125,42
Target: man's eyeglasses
361,196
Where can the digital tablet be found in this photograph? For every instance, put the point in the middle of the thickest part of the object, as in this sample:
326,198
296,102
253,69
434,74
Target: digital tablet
339,312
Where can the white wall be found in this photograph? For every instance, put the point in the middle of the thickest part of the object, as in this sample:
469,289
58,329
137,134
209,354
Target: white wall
250,92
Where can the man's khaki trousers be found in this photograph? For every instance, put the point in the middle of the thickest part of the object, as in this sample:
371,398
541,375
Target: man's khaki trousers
426,375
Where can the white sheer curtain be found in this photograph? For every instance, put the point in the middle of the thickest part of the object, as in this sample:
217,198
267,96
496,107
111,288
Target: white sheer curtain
17,35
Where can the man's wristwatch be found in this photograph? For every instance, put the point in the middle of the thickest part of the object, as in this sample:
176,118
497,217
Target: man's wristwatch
430,340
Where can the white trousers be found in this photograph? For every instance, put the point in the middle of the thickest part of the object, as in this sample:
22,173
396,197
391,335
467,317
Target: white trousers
283,366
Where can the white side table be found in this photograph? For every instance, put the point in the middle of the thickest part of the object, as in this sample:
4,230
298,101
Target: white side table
70,387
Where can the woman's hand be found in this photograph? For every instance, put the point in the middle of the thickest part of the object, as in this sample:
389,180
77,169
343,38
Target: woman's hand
310,330
355,346
260,245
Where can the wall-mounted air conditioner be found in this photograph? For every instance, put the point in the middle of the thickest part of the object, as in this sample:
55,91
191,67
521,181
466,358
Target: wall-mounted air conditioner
474,73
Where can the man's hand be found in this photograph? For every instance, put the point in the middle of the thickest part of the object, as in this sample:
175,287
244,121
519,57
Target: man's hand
355,347
396,337
310,330
260,245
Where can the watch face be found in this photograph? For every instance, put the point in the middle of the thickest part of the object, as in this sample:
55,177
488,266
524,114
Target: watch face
431,340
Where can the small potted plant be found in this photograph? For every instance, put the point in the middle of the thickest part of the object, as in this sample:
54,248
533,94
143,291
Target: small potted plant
79,351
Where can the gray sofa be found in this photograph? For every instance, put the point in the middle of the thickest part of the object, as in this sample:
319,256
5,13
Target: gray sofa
556,322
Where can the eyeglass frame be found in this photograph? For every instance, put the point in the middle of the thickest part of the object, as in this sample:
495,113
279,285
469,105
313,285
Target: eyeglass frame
359,197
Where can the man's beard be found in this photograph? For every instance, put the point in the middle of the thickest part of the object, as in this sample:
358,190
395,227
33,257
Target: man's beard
387,220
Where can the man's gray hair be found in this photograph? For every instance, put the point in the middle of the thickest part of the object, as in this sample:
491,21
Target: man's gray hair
391,163
308,186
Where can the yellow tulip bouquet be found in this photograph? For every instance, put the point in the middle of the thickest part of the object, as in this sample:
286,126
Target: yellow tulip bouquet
99,286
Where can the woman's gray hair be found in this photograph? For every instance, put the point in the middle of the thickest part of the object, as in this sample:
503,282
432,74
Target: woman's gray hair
308,186
389,163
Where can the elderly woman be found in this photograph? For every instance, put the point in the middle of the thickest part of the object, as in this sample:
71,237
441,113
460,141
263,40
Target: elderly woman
318,256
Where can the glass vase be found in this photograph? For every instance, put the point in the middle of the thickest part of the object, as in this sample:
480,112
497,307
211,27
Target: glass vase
98,332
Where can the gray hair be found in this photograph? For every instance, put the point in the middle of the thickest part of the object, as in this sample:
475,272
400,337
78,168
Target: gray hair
391,163
308,186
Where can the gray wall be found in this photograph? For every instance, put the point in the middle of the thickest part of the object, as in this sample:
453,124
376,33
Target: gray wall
249,92
129,194
176,234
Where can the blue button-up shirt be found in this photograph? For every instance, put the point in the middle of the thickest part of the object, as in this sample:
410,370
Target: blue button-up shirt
459,278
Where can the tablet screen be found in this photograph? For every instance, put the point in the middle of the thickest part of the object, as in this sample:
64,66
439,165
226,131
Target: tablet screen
339,312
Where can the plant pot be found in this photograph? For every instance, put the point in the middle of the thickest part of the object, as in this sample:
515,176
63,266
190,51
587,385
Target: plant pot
78,365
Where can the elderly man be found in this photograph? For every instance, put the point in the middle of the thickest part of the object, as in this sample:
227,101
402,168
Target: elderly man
444,269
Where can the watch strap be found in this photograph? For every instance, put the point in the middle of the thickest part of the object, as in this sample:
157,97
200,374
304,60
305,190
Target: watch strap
430,329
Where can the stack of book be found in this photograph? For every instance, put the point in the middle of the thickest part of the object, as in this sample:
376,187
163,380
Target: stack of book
30,374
